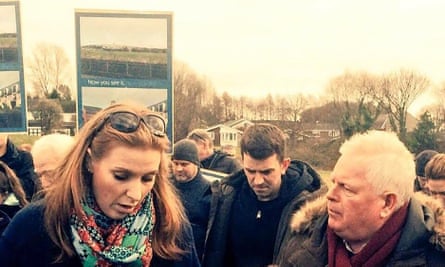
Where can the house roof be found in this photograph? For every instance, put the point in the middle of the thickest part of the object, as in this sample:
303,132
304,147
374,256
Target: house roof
224,127
382,122
308,126
235,123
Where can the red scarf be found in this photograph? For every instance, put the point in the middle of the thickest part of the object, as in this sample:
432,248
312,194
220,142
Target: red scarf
376,251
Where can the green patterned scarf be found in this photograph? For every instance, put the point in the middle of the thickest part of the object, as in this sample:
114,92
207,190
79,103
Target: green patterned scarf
100,241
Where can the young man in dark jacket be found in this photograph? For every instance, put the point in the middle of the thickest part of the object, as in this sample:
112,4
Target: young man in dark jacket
421,161
249,222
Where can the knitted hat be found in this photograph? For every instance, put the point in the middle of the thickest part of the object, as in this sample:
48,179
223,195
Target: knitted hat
186,150
422,159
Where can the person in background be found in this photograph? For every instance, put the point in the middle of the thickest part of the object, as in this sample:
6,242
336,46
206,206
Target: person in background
12,195
20,161
254,206
435,176
211,158
370,216
25,147
194,189
229,150
48,152
421,160
111,205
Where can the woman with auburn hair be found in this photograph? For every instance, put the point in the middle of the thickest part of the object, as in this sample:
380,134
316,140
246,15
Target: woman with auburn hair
112,203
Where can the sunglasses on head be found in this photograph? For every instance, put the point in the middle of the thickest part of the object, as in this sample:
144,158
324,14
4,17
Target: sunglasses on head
128,122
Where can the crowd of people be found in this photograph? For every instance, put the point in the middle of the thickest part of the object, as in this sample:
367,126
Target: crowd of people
114,195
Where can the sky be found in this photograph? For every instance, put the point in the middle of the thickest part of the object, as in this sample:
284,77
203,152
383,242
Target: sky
94,30
7,19
253,48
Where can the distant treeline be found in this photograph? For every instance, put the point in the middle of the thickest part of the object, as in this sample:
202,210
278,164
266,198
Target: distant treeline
120,69
8,35
126,48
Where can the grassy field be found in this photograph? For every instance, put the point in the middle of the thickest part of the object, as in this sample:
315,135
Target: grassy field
20,139
8,42
142,57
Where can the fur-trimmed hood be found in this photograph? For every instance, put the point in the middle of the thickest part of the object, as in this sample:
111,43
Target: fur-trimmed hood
304,219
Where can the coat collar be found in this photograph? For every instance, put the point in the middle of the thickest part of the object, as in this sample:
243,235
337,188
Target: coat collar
433,217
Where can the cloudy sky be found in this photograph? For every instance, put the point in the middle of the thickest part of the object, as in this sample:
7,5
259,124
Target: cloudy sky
253,48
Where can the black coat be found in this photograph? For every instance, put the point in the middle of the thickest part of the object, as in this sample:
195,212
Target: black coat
4,221
299,184
221,162
20,161
196,196
422,242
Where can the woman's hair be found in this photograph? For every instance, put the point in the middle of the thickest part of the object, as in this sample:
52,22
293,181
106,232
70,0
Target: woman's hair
10,183
75,180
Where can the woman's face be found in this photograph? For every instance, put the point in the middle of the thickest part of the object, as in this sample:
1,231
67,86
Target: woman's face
123,178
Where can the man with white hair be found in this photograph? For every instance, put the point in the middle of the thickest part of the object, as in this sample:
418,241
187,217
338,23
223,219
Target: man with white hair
370,215
47,152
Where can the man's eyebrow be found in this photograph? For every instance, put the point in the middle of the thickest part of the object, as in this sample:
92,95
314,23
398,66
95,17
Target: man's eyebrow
264,170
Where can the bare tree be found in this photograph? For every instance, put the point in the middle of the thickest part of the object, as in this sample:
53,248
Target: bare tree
49,112
282,108
269,101
437,113
437,107
50,70
352,96
252,109
439,92
297,103
191,94
227,100
238,107
242,102
396,93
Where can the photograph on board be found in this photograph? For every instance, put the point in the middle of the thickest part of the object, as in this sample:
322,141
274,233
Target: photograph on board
8,36
97,98
10,100
123,47
12,96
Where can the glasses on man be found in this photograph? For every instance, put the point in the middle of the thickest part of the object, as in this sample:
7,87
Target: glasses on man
45,173
197,136
46,177
128,122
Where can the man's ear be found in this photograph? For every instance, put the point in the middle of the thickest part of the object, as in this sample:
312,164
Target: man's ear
389,206
284,165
